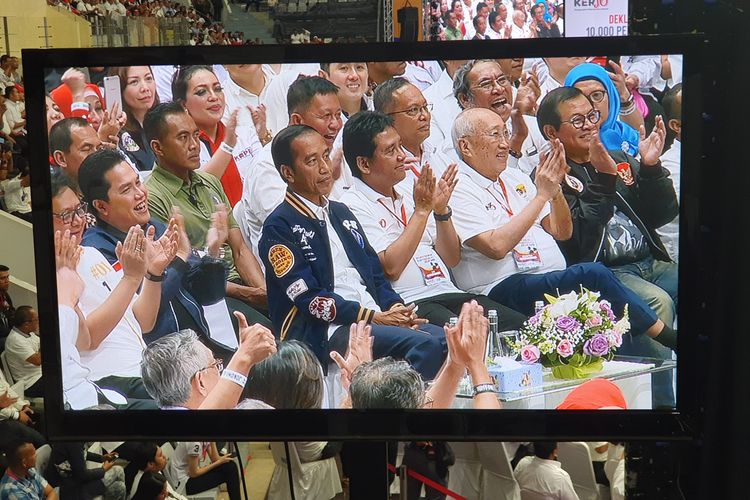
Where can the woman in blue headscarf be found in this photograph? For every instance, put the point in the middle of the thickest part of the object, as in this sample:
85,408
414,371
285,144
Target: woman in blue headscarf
595,82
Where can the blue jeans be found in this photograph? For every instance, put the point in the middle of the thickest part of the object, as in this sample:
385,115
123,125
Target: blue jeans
655,282
425,349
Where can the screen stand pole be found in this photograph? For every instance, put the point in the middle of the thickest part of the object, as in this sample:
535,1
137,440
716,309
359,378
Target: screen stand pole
368,471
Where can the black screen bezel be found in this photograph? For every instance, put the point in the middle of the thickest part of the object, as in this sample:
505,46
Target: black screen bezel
378,424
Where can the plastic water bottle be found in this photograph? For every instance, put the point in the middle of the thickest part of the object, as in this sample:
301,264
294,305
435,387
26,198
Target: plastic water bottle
493,345
538,306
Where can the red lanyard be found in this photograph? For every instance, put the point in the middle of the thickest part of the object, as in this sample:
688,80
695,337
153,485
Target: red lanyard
505,204
401,219
416,172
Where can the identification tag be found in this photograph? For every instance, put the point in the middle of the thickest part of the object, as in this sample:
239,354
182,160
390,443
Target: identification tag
526,254
432,271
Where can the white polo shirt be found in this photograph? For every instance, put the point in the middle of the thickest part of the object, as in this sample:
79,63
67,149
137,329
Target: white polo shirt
445,107
262,191
78,391
277,113
17,197
383,220
347,282
670,232
237,97
422,74
19,347
481,205
545,477
120,353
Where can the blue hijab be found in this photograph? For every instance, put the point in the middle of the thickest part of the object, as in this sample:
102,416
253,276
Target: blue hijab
614,134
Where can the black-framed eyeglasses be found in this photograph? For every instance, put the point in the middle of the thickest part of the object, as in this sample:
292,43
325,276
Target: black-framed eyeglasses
597,95
487,85
218,363
415,111
578,121
67,216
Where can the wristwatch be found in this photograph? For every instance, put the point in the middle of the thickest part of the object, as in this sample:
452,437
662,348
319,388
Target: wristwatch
482,388
156,278
515,154
443,217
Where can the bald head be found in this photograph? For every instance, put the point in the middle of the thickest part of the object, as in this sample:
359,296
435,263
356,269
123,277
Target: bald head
518,18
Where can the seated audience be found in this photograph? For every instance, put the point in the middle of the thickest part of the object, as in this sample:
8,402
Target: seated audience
180,372
510,253
616,204
192,288
17,419
177,182
21,480
309,298
670,159
17,189
146,468
412,234
7,311
311,101
68,470
138,91
543,474
71,141
22,351
190,477
198,89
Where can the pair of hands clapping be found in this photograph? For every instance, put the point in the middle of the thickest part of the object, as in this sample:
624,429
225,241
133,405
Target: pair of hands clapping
431,195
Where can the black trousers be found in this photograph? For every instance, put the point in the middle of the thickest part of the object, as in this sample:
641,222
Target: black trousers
417,460
36,390
440,308
225,473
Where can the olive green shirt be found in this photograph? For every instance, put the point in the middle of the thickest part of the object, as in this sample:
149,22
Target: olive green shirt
196,199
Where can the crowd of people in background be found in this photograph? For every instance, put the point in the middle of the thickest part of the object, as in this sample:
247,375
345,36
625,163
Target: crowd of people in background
494,19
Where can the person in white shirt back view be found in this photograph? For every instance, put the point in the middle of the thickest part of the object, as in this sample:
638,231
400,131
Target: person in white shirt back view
543,474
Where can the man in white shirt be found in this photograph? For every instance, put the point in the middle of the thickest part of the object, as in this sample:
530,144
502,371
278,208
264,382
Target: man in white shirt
410,112
422,73
14,114
244,89
23,353
519,29
322,275
544,475
670,160
497,29
508,226
16,416
413,247
313,101
445,107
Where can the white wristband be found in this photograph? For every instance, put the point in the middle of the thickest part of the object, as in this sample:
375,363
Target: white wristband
235,377
226,148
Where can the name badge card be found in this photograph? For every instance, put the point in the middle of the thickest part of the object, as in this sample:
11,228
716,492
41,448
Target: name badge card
432,272
526,254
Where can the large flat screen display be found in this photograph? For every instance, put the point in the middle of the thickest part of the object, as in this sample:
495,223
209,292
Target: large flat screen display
435,239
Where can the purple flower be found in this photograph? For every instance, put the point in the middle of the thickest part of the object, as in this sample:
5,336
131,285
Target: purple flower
598,345
535,319
567,324
565,348
529,354
606,307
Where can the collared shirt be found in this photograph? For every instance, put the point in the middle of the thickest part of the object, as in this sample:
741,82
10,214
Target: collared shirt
453,33
422,74
10,412
30,487
428,154
231,181
78,391
121,352
237,97
347,282
384,219
670,233
19,347
494,35
546,477
445,107
197,198
517,32
13,115
17,197
480,205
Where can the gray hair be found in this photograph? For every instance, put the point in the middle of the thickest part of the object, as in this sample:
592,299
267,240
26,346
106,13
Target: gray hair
168,366
386,383
461,80
462,126
290,379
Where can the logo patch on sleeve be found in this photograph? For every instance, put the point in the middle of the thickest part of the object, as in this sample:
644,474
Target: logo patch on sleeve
296,289
323,308
281,259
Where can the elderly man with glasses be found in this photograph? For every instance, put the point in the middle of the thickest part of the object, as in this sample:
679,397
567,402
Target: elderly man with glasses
617,203
509,227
